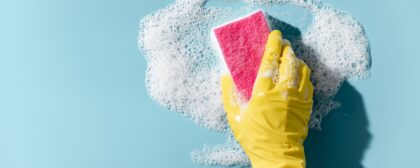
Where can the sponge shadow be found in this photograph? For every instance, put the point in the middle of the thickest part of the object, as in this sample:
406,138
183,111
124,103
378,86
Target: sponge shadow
345,136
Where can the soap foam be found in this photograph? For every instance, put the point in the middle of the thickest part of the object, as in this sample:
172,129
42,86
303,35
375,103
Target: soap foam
183,69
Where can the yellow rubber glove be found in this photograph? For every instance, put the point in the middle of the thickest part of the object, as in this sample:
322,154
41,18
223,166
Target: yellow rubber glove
272,127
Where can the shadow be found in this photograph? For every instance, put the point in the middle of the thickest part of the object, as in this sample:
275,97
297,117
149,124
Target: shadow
289,32
344,137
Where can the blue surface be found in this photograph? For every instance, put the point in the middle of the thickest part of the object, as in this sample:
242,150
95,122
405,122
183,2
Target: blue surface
72,91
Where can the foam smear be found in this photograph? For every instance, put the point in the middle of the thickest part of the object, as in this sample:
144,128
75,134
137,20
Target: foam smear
183,70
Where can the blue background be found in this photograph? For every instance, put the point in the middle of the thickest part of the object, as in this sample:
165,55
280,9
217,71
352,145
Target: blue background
72,91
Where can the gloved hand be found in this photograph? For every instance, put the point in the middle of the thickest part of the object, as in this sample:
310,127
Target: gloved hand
272,127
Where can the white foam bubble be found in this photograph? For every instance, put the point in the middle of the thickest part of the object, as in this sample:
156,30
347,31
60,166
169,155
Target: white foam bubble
183,70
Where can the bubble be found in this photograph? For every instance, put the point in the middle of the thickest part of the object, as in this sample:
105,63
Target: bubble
183,69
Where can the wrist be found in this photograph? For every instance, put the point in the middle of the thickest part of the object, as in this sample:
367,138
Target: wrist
287,156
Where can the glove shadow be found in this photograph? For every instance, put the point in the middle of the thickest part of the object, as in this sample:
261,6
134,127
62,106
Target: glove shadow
344,137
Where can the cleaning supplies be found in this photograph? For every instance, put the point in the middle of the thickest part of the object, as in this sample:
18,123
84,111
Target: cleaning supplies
241,43
273,126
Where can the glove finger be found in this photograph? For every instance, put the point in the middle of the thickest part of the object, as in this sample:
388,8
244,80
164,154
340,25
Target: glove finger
230,100
269,63
289,69
306,88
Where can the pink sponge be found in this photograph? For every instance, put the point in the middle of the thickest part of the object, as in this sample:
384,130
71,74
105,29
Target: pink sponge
241,43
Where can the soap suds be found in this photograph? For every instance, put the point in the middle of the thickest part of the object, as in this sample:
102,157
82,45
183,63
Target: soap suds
183,68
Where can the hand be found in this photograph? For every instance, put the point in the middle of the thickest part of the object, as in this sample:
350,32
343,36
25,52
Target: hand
272,127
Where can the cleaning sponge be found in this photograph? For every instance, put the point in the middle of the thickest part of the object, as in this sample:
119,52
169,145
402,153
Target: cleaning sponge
241,43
